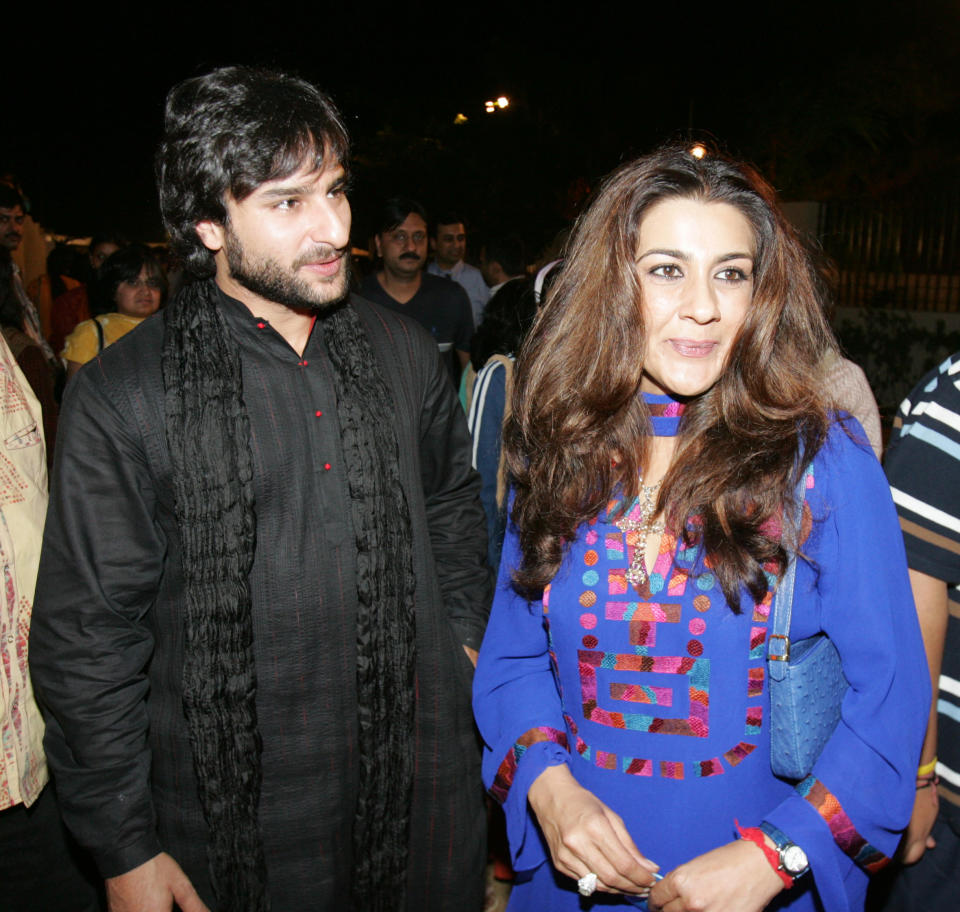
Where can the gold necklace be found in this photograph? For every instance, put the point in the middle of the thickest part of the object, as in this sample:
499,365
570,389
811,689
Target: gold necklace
645,524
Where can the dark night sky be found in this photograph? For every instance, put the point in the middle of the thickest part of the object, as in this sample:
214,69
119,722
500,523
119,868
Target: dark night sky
839,98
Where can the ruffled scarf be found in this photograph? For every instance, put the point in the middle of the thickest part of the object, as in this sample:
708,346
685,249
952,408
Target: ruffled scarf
208,435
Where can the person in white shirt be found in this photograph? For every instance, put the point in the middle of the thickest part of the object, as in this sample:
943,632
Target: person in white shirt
449,245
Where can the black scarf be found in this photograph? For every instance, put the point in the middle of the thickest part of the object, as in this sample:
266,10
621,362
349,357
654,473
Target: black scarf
208,434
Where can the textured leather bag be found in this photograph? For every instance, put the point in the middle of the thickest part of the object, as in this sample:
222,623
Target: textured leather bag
806,681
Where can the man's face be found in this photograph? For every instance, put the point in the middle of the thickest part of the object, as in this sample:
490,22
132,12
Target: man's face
404,249
450,245
11,227
99,253
288,242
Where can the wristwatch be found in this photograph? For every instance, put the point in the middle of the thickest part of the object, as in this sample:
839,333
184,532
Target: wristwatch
793,859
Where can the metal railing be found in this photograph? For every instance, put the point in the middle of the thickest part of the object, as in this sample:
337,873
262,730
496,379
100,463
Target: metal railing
903,255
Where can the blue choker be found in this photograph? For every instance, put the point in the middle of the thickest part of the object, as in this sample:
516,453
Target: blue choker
665,414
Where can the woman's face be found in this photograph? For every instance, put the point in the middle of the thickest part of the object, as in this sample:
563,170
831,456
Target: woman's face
695,261
141,297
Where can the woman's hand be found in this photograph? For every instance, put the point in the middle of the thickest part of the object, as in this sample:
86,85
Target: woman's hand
734,878
917,839
585,836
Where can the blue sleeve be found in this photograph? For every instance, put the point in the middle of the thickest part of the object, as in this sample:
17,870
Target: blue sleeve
486,422
518,710
848,814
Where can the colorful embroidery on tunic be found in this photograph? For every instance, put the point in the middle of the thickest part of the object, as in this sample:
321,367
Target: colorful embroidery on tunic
634,766
658,601
707,768
841,826
508,768
671,769
736,754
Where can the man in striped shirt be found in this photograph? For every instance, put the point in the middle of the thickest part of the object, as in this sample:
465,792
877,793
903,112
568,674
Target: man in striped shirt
923,467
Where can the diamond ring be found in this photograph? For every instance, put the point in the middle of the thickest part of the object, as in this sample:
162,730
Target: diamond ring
587,884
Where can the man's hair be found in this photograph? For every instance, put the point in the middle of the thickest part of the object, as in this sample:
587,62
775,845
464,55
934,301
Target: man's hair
10,198
229,132
395,211
450,217
508,252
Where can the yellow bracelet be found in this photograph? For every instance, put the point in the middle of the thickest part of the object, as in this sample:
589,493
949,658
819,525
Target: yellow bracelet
927,768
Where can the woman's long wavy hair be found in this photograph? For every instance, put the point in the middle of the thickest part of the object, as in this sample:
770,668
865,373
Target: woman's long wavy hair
579,430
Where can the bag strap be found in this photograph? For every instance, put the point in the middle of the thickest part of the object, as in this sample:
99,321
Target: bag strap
99,328
778,644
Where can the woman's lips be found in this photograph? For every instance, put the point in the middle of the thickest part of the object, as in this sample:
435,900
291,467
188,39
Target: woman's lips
691,348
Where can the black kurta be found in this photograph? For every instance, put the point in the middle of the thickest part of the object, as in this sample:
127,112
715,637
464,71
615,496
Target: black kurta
107,638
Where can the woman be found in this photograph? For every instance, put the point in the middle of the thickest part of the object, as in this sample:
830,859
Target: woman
132,279
664,407
506,319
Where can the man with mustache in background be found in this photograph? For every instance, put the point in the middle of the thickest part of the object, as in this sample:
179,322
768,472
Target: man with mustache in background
437,303
263,576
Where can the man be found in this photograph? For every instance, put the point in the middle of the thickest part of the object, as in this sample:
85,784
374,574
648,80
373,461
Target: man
12,217
501,260
439,305
923,467
37,869
449,245
263,570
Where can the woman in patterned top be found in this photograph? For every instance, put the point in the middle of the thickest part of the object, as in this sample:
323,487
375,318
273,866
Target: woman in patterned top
665,407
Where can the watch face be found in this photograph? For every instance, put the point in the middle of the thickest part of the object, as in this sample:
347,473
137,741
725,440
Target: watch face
794,859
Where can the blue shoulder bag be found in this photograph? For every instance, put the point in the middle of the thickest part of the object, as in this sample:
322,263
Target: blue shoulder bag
806,681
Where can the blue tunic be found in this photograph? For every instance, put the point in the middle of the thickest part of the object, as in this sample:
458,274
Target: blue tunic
656,696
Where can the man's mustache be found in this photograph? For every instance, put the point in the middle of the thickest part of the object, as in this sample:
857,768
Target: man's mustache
410,256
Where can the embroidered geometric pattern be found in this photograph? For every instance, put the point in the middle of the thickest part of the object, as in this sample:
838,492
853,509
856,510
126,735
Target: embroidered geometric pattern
508,768
612,676
844,833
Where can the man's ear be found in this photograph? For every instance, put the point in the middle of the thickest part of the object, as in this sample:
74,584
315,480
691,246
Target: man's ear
433,245
211,234
376,243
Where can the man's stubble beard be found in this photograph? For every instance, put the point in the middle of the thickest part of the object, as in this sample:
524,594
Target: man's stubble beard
271,281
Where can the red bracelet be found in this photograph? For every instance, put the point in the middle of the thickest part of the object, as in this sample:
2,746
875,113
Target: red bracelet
755,835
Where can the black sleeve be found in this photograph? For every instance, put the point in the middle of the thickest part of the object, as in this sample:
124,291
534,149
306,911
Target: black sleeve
455,517
90,641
